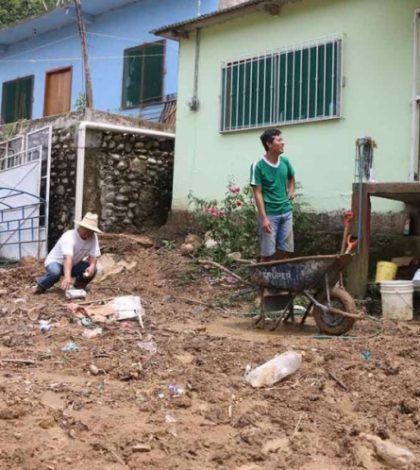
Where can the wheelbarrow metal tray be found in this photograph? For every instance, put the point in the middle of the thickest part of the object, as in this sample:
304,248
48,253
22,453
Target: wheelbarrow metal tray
298,274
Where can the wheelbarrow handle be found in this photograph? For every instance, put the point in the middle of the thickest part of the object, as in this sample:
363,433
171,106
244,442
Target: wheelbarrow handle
351,243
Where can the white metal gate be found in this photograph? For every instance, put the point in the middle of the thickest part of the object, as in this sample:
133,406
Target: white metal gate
24,194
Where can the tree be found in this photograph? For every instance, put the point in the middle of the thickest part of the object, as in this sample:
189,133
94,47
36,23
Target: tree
15,10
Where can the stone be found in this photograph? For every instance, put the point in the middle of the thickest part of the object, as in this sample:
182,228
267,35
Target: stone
109,197
193,240
125,189
122,165
121,198
60,190
187,249
151,160
116,157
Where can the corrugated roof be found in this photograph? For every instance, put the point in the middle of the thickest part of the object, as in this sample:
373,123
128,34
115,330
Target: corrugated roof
181,29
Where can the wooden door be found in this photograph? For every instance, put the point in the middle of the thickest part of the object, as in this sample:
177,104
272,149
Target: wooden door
57,92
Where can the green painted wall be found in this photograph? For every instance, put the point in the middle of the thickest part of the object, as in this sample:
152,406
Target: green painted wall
378,69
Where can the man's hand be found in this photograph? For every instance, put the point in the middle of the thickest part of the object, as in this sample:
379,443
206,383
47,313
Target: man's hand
66,283
89,272
266,226
291,195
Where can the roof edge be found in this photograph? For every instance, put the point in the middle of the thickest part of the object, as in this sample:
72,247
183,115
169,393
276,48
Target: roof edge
182,29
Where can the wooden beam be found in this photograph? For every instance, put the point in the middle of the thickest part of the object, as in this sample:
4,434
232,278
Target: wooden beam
358,271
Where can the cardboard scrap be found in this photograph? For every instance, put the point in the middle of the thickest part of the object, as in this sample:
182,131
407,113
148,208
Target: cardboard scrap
125,307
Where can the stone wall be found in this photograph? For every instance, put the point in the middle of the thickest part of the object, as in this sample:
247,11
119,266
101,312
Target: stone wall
62,182
128,179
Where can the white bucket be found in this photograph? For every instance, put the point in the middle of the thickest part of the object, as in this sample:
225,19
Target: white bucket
397,300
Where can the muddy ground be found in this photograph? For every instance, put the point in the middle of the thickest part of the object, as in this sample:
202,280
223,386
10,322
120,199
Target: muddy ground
108,405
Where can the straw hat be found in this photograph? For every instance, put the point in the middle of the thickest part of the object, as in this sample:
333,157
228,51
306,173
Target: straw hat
89,221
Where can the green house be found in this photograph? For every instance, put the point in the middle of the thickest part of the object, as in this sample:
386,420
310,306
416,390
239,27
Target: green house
325,71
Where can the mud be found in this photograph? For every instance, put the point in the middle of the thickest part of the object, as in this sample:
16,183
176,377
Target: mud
59,412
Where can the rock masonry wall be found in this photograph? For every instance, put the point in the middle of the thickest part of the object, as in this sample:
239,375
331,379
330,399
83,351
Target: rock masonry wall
128,179
62,182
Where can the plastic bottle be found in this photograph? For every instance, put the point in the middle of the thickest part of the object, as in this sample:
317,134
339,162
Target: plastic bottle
274,370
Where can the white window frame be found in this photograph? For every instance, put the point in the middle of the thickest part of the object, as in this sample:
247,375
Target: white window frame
274,102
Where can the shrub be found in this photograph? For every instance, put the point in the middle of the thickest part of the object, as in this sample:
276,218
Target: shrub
232,222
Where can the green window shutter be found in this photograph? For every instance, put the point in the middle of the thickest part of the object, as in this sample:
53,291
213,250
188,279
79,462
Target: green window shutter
152,80
132,76
17,99
143,74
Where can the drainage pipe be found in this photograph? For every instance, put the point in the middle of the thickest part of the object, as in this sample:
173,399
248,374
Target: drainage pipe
81,146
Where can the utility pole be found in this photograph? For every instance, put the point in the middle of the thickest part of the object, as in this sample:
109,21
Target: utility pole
86,66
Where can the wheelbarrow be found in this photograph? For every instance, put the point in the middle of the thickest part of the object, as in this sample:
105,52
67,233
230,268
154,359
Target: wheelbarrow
316,278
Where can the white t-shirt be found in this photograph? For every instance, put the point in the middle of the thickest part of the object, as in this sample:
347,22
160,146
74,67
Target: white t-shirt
71,244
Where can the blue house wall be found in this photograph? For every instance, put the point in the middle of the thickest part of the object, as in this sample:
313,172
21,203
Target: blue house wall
108,35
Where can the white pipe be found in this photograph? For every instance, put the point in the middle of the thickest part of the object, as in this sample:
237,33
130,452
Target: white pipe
81,144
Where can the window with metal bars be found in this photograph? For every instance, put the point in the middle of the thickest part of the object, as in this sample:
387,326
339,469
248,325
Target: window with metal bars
293,85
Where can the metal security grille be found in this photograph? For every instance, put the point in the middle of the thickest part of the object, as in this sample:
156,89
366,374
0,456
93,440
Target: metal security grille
285,86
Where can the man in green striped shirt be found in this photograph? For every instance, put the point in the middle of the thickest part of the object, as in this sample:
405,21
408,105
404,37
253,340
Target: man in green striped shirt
273,182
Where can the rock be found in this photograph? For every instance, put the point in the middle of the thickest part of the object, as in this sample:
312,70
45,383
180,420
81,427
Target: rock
394,455
193,240
93,369
236,255
210,243
187,249
145,241
122,165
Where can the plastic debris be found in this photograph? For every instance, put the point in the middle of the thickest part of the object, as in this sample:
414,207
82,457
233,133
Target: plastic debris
89,334
176,389
394,455
44,326
70,347
170,419
366,355
73,293
274,370
148,344
86,321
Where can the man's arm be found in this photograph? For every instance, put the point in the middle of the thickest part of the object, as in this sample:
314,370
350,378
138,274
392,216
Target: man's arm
291,188
90,270
261,209
68,264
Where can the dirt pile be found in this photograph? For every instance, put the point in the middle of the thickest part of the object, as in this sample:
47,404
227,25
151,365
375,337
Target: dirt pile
172,395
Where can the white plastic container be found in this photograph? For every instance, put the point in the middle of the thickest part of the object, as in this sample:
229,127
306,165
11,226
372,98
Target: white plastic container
397,300
274,370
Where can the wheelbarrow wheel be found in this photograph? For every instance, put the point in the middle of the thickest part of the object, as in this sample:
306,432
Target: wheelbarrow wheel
335,324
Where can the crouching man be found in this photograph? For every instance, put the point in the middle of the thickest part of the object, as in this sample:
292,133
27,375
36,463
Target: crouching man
74,255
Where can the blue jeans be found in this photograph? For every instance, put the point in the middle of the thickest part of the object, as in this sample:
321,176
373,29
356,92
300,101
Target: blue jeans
55,270
281,236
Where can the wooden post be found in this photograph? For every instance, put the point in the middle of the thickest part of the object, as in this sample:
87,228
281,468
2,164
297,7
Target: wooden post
358,271
86,66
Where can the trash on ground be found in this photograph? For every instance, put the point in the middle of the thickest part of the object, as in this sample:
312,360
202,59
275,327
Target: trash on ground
86,322
73,294
148,344
393,454
274,370
126,307
70,347
170,419
142,448
366,355
176,390
44,326
89,334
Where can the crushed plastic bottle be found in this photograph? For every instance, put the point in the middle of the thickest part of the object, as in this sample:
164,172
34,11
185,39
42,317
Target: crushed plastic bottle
274,370
44,326
176,389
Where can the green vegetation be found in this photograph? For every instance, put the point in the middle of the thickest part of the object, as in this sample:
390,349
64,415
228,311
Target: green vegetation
16,10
